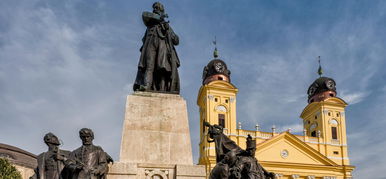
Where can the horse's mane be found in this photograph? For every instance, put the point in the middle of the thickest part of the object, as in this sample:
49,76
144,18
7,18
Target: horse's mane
226,145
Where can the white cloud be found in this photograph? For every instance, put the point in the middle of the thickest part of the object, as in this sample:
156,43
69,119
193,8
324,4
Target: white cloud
384,89
63,67
354,98
59,78
294,128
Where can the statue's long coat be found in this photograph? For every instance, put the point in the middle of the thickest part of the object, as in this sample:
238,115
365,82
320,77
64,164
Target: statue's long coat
250,168
40,171
158,50
94,158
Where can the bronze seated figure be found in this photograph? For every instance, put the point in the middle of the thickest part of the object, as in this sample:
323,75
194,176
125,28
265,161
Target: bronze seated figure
232,161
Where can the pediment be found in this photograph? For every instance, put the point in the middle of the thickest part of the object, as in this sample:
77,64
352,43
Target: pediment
289,149
221,84
335,100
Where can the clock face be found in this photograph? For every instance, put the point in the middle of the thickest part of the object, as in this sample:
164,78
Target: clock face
311,90
221,108
330,84
284,153
219,67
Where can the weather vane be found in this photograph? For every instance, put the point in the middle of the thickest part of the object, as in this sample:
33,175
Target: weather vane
215,53
320,70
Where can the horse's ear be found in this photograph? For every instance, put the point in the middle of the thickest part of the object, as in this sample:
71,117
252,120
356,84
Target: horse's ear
206,124
218,127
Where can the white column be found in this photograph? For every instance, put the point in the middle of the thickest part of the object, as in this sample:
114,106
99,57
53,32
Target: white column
273,129
257,127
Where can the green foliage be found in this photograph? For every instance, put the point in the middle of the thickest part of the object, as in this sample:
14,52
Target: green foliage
8,171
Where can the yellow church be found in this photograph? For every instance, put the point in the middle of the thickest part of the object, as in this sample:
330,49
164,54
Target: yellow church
320,153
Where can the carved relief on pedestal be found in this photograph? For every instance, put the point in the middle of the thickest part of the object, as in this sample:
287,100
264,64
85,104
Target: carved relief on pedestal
156,174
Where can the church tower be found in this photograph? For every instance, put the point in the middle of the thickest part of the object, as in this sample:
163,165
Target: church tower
321,153
324,119
217,104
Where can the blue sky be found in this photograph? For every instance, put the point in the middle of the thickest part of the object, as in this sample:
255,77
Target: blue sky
70,64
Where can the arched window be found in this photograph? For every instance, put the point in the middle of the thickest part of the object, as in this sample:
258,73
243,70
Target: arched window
334,130
313,134
313,126
313,129
221,120
334,133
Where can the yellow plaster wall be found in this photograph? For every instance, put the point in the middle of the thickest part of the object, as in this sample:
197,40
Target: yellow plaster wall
308,156
24,171
295,154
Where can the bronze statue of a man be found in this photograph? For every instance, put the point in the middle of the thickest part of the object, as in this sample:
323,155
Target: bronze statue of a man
51,163
88,161
247,165
232,161
157,67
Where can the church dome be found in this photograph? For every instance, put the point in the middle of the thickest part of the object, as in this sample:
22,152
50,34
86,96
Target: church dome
321,89
215,70
18,156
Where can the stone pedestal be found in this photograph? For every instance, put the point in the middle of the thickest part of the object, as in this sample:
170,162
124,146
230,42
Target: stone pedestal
155,139
122,170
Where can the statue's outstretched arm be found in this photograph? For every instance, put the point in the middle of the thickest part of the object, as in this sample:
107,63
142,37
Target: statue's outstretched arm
149,16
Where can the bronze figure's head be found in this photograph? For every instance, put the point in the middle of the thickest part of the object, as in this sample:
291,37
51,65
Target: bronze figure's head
251,146
86,135
158,8
50,138
52,142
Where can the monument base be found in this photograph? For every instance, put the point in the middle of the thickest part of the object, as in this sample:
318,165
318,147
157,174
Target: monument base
122,170
155,139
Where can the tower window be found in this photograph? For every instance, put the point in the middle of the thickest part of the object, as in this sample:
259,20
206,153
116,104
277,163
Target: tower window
337,114
226,101
334,133
313,134
215,99
336,152
329,114
316,117
313,126
221,120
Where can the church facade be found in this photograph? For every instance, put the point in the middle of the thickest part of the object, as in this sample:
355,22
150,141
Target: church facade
320,153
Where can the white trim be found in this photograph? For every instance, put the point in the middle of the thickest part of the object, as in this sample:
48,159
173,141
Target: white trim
310,142
313,142
339,158
233,135
340,145
209,148
329,177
